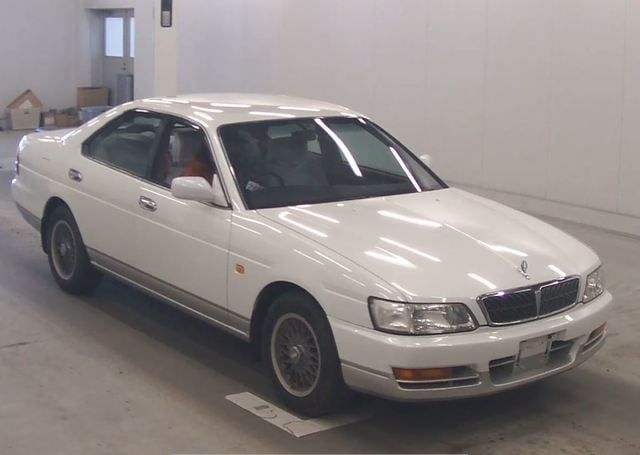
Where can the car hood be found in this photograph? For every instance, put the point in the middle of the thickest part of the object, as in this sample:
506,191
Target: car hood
440,244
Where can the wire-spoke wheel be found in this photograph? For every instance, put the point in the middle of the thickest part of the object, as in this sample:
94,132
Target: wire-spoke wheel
301,356
63,249
295,355
68,257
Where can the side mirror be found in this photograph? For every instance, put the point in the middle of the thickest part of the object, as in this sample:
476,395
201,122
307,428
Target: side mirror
198,189
426,159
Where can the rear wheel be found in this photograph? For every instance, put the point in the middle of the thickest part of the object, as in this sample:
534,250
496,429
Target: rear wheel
68,257
301,356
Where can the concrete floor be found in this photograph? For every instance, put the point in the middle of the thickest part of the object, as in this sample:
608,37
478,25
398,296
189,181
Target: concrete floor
118,372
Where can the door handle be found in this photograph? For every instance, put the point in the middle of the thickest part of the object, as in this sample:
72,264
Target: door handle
147,204
75,175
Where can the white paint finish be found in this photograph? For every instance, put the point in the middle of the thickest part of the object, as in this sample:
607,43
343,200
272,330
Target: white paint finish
475,349
37,51
454,103
586,97
287,422
517,96
203,244
629,189
431,246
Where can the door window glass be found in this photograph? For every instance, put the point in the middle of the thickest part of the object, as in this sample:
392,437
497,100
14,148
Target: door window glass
127,143
183,153
132,37
114,36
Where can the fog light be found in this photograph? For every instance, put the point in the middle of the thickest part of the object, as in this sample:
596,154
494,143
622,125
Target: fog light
423,374
597,332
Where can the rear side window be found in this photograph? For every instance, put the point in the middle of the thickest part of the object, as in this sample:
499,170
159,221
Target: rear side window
127,143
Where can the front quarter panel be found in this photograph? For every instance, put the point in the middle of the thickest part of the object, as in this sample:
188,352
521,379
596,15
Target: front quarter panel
267,252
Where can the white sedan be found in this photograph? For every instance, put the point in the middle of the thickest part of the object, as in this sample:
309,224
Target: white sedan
309,231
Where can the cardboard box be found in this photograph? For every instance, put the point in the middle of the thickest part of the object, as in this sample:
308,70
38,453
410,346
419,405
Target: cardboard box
93,96
24,111
66,120
49,119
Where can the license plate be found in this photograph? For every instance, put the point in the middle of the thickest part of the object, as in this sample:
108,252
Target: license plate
534,347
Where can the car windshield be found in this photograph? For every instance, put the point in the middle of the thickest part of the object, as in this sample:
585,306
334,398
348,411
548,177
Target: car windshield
312,160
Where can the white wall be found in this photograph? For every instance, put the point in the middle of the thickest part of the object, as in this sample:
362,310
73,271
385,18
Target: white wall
37,51
538,99
46,45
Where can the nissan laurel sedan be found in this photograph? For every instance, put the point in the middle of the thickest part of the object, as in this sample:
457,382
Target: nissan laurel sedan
307,230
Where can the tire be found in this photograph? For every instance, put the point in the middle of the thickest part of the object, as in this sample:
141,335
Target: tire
301,356
68,259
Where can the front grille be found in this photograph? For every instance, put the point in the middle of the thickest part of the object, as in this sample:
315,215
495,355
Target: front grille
526,304
508,307
557,296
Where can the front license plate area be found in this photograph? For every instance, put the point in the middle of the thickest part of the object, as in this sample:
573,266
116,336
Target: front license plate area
534,352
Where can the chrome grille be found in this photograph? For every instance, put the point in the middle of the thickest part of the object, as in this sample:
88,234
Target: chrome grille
556,296
526,304
504,308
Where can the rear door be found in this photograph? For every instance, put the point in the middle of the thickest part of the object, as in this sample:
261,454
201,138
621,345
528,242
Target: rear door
106,184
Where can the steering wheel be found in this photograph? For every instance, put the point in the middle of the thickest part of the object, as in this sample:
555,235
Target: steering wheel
278,177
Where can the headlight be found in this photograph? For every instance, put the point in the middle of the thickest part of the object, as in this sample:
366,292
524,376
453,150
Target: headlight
420,318
594,286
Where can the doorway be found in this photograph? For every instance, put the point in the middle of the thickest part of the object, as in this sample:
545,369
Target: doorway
114,64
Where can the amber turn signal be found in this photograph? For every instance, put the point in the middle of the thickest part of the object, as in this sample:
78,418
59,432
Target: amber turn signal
423,374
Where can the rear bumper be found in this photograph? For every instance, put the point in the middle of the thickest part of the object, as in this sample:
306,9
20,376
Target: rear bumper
486,358
29,217
21,196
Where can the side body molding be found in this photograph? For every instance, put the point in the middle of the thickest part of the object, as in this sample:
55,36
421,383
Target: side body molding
203,309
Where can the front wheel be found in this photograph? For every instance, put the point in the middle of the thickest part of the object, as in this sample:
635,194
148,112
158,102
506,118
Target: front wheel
68,257
301,356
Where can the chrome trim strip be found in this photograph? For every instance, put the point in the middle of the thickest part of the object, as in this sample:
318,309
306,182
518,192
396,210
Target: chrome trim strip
436,381
183,300
536,289
30,218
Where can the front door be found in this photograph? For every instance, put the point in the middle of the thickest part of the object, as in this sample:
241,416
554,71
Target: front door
184,245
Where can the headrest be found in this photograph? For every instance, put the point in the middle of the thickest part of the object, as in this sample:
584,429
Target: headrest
287,149
305,135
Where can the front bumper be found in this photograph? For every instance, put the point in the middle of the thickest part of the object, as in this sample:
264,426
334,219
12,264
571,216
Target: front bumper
486,360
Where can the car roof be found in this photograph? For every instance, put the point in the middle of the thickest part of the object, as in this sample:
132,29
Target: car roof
214,109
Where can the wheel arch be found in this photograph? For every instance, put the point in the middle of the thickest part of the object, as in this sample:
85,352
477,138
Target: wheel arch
265,299
53,203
